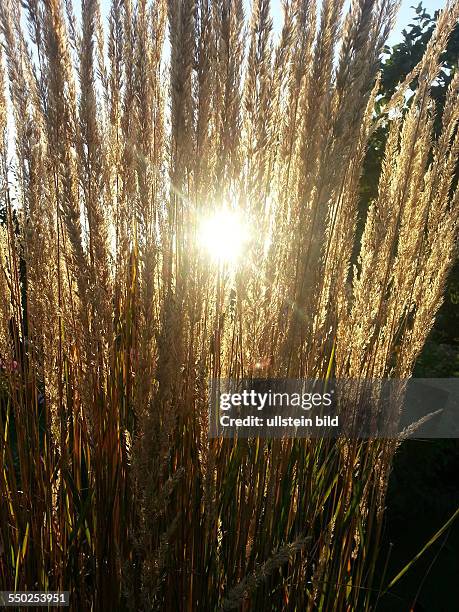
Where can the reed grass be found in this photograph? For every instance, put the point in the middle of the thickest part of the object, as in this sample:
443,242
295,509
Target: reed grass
113,146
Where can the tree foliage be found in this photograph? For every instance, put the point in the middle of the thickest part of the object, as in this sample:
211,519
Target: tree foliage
397,63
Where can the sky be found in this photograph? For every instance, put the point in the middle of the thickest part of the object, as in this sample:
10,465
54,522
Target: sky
405,15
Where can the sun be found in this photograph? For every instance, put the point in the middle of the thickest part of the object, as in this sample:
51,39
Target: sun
224,235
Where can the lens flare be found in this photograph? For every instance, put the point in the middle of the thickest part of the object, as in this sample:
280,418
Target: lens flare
223,236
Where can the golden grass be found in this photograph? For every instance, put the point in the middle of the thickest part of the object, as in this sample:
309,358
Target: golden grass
116,318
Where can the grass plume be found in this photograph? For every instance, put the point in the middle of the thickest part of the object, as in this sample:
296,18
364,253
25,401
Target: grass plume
115,143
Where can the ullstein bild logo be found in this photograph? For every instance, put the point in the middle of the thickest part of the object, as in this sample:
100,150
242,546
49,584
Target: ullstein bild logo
274,408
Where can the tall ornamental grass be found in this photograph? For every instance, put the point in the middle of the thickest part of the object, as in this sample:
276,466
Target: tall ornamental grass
118,138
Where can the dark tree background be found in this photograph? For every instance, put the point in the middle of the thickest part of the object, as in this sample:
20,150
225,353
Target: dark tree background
441,355
424,486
